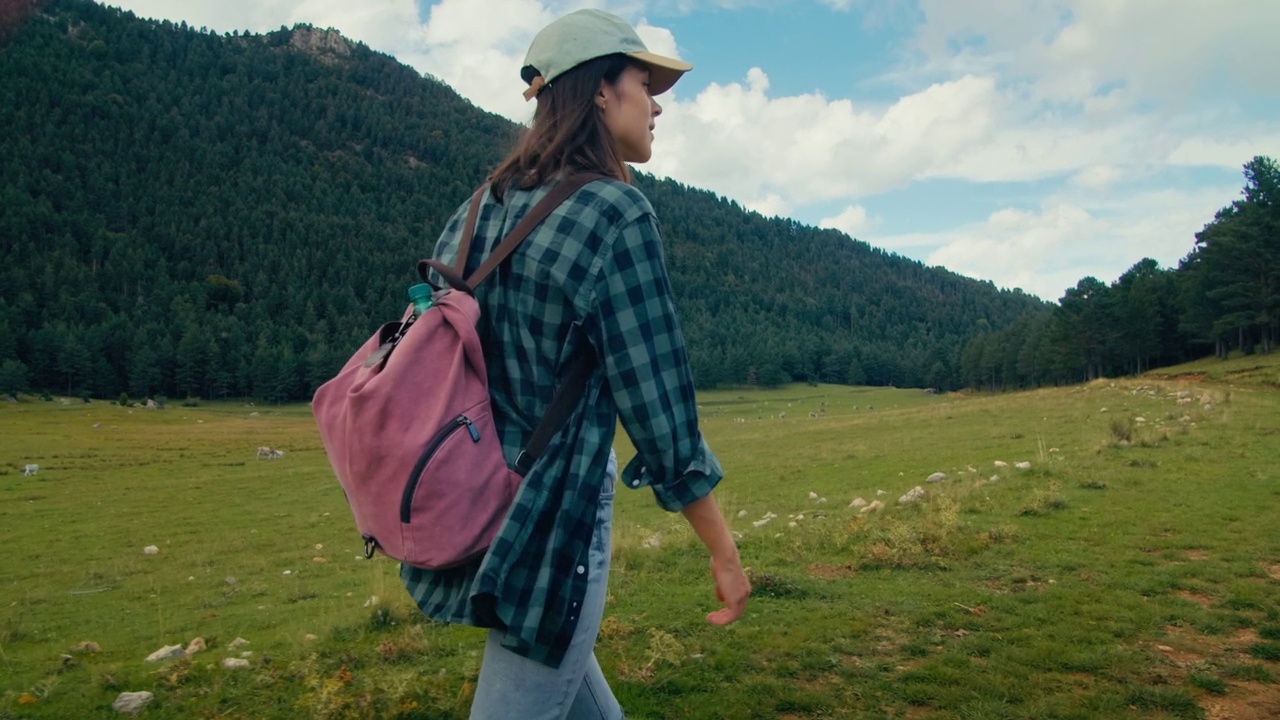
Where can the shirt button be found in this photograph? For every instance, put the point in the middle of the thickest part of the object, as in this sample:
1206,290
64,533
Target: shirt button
581,569
635,483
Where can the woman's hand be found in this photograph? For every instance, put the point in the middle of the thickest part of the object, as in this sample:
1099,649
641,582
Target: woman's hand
732,586
732,589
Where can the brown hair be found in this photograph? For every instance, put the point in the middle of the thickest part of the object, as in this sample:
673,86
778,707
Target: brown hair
567,135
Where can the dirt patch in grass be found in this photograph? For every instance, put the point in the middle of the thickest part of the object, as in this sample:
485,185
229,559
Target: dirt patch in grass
1200,599
1273,570
1245,701
831,572
1197,554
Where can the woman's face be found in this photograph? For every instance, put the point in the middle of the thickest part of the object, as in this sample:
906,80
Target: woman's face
628,112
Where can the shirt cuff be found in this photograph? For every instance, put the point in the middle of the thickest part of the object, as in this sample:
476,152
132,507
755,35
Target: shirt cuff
694,482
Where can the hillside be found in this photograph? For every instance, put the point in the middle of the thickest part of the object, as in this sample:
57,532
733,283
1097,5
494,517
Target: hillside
193,214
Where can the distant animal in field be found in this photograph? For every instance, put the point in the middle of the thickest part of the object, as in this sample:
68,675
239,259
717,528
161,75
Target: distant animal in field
30,470
270,453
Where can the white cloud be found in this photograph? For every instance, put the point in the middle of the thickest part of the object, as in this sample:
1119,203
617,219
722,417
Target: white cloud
1072,235
851,221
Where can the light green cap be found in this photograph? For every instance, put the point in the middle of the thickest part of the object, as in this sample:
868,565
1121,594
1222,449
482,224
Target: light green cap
586,35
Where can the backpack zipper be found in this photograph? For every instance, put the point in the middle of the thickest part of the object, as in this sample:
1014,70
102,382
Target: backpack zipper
406,501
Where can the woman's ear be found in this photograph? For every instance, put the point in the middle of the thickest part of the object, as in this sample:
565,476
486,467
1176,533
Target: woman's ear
601,97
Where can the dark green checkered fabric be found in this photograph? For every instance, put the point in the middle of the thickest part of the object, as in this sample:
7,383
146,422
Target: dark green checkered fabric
591,277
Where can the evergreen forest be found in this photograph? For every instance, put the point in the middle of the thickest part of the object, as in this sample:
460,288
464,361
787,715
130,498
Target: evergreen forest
189,214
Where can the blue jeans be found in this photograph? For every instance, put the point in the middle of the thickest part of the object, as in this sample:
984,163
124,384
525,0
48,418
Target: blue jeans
513,686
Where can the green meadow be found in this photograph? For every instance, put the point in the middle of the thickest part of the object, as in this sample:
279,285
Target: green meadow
1131,571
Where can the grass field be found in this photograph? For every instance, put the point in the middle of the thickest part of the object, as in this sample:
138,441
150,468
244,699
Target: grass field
1133,571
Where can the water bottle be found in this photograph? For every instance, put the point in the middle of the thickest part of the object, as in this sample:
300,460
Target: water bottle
420,296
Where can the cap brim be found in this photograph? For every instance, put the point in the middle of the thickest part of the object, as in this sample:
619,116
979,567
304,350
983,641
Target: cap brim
663,71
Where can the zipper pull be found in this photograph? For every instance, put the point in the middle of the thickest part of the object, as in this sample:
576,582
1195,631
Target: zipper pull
475,434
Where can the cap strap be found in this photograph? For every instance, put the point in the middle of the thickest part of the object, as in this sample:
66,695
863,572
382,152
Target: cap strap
535,87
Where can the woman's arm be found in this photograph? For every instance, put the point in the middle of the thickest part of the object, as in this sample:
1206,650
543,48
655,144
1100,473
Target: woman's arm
732,586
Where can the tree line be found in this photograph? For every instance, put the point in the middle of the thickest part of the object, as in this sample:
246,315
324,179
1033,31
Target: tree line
190,214
1224,296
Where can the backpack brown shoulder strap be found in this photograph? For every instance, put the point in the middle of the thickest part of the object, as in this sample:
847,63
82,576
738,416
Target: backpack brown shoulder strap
552,200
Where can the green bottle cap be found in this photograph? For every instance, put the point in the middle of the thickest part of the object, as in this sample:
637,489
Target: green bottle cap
421,290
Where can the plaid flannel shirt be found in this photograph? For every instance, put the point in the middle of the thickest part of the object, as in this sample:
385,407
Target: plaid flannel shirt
590,278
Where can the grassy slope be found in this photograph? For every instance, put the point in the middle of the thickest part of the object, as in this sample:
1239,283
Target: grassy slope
1108,580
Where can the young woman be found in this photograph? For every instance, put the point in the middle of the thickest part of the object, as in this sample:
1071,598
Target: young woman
589,279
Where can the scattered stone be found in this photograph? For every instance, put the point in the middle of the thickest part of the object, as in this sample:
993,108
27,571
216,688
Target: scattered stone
1001,464
800,516
1139,419
246,654
1102,410
1208,407
1023,465
231,580
234,663
936,477
873,507
961,633
994,478
287,572
319,546
821,500
131,703
882,492
813,496
309,636
858,503
372,601
912,495
761,523
168,652
319,560
151,404
253,414
67,660
97,426
653,542
87,647
742,514
150,550
237,643
1184,394
792,524
195,646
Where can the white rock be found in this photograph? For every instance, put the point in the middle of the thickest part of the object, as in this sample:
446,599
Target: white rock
912,495
131,703
821,500
1001,464
1023,465
168,652
813,496
936,477
234,663
287,572
993,478
1102,410
761,523
882,492
873,507
742,514
1140,419
195,646
792,524
653,541
858,503
237,643
150,550
372,601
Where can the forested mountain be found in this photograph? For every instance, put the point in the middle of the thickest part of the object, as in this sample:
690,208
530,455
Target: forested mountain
192,214
1224,295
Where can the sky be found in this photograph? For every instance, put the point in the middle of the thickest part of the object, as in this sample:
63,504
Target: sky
1030,143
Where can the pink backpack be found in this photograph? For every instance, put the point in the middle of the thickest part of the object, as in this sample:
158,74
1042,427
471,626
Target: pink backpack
407,424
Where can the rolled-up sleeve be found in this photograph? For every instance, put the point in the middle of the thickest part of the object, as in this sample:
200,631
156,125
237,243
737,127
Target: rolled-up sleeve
634,324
